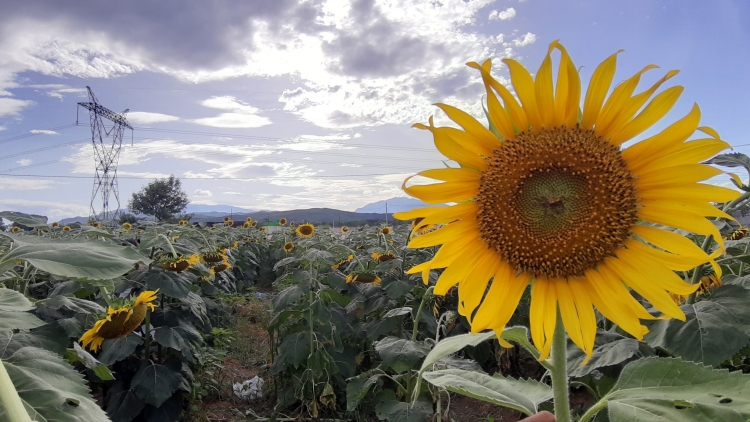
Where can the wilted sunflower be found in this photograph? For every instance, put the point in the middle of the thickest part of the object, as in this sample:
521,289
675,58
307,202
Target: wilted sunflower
737,234
219,268
119,322
555,201
66,228
213,257
127,226
344,229
385,230
342,263
181,263
383,257
364,277
263,229
306,230
288,246
282,221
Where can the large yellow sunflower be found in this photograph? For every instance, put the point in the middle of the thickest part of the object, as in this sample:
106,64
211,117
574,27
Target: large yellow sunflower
306,230
119,322
553,199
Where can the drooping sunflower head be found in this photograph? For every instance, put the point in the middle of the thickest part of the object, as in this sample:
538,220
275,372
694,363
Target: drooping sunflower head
342,263
219,268
550,198
66,228
306,230
344,229
55,224
737,234
127,226
385,230
383,257
288,247
119,321
282,221
183,223
364,277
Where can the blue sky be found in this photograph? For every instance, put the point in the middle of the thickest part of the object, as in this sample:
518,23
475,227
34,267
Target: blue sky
290,104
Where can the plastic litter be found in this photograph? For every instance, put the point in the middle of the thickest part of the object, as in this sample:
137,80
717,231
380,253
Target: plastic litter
250,389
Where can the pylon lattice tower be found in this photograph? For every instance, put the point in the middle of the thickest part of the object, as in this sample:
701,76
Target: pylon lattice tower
106,155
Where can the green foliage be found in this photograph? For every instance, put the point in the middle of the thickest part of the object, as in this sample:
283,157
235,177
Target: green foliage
161,199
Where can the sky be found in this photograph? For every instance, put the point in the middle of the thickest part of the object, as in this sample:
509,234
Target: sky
297,104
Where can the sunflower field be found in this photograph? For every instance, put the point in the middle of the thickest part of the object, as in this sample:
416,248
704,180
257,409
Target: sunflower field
567,273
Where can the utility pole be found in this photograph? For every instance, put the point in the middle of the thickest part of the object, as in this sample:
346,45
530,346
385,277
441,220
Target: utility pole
386,212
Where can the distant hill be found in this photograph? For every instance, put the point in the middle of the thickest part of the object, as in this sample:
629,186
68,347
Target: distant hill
198,208
399,204
311,215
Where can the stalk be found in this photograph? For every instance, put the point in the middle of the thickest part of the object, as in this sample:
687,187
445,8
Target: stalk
559,372
10,400
426,295
147,336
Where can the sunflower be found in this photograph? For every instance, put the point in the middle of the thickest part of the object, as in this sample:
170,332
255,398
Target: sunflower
385,230
227,219
127,226
55,224
282,221
15,229
213,257
546,198
737,234
219,268
119,322
364,277
249,220
181,263
342,263
344,229
288,246
306,230
246,225
262,229
229,223
66,228
254,223
291,224
418,228
383,257
183,223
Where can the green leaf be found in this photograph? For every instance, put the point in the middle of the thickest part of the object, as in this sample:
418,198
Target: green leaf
609,349
378,327
50,388
734,280
73,304
285,261
11,300
733,159
18,320
400,354
715,328
296,348
666,389
76,258
77,354
155,383
453,344
397,288
406,310
118,349
170,411
123,405
522,395
196,305
24,219
357,389
49,337
387,407
286,297
170,283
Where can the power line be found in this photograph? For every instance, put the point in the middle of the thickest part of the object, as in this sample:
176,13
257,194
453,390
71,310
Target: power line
59,176
27,135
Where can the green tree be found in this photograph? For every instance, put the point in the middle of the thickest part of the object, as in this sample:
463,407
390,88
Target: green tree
161,198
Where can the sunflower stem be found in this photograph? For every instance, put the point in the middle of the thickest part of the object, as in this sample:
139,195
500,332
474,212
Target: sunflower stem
147,336
559,372
10,400
698,271
425,297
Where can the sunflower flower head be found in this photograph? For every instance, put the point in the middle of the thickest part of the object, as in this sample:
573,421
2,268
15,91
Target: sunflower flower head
383,257
364,277
246,225
249,220
288,247
55,224
546,198
119,321
385,230
282,221
254,223
306,230
66,228
229,223
15,229
291,224
344,229
342,263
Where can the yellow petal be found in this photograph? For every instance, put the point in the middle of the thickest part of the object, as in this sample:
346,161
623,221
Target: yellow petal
462,211
685,221
597,91
669,241
545,100
461,268
543,315
617,102
613,303
568,89
417,213
569,313
471,126
524,86
473,287
509,101
443,235
453,174
690,192
684,174
440,193
501,300
654,111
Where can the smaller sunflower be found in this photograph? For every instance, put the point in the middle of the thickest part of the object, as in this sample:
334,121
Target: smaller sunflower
262,229
344,229
360,247
183,223
119,322
229,223
181,263
15,229
291,224
343,262
66,228
249,220
127,226
306,230
212,228
383,257
246,225
55,224
219,268
737,234
227,219
385,230
255,223
282,221
213,257
288,246
364,277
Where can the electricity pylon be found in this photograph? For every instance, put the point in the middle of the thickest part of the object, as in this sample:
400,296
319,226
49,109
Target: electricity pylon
106,155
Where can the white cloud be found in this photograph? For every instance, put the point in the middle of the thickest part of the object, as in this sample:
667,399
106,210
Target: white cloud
2,128
233,120
505,15
24,162
58,93
43,132
12,106
229,103
12,183
525,40
145,117
232,193
53,210
202,193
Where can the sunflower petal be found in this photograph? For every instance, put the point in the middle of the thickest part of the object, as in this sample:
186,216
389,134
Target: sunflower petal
482,135
524,85
510,103
597,91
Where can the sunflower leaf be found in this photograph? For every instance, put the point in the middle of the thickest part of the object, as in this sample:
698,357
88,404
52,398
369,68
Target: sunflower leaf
609,349
715,328
387,407
522,395
155,383
119,348
24,219
400,354
170,283
672,389
50,388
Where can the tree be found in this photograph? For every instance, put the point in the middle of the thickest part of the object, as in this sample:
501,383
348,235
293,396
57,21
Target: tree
128,218
161,198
